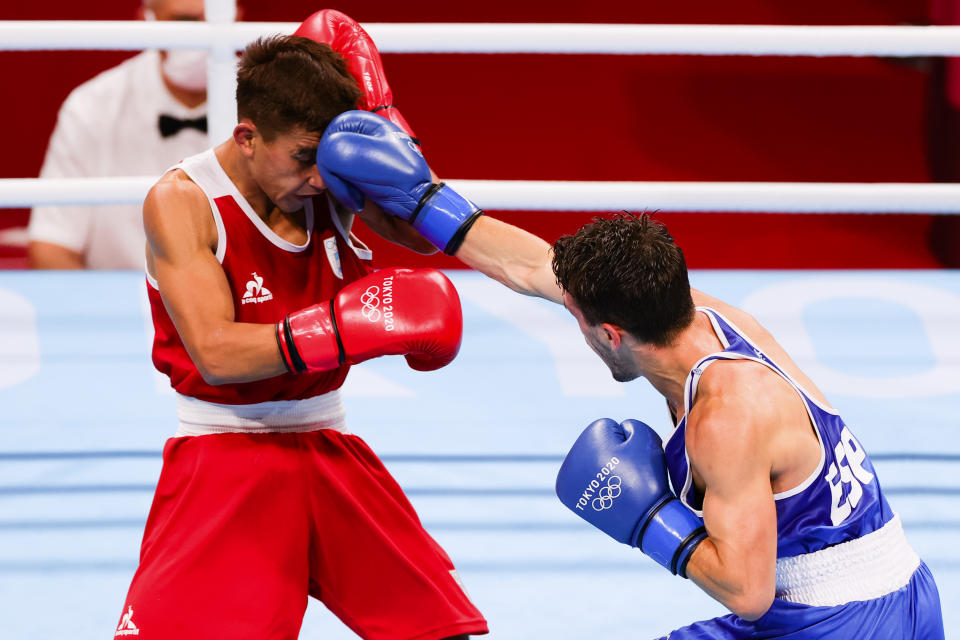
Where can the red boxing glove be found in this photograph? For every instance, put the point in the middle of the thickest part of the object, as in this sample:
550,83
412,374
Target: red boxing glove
410,312
347,37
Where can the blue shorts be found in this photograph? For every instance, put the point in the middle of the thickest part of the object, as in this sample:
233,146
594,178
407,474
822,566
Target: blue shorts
909,613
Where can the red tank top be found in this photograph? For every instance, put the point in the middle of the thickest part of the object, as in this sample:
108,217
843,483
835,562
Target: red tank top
269,277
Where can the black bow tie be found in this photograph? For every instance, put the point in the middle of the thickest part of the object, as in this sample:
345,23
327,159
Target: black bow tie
170,126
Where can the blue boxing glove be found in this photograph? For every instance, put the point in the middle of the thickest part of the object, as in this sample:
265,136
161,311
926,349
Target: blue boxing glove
615,478
362,154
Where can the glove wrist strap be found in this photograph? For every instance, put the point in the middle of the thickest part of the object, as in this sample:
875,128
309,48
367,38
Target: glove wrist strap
443,217
310,340
288,349
670,534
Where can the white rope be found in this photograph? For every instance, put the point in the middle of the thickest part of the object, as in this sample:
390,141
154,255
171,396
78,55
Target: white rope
667,39
785,197
27,192
222,37
507,38
558,195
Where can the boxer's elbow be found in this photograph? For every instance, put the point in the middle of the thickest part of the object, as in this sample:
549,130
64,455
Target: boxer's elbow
757,587
213,370
751,603
742,583
213,376
216,361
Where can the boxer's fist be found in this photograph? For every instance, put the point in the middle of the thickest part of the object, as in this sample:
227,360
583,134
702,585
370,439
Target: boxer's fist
415,313
348,38
361,154
615,478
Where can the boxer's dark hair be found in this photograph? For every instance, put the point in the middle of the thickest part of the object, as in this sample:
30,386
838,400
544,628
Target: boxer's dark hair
285,82
627,271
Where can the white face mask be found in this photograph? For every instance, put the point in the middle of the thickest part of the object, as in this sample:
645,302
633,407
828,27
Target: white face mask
184,68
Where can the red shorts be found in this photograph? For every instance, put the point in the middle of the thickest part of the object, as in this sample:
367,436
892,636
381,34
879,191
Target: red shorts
244,526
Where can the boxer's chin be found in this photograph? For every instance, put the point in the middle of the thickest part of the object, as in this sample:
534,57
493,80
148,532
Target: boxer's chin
623,376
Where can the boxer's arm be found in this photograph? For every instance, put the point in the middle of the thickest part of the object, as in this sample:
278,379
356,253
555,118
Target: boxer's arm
47,255
362,157
181,245
393,229
511,256
728,443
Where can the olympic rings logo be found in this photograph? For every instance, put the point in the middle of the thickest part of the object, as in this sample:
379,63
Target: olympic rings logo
371,303
607,493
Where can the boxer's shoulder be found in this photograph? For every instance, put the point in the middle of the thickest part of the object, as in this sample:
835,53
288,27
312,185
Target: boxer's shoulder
177,211
176,197
736,400
750,328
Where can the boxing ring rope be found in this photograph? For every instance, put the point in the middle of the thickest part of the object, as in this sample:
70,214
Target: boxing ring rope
223,37
755,40
562,195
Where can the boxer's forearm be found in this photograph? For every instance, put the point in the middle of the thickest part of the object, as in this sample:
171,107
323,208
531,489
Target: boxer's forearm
744,592
236,352
511,256
394,229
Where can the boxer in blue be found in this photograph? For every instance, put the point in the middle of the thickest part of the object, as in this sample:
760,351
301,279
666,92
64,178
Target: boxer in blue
762,496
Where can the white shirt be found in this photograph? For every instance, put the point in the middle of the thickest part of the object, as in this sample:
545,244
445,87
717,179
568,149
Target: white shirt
108,127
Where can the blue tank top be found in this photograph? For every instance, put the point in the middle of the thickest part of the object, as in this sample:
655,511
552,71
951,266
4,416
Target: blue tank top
841,500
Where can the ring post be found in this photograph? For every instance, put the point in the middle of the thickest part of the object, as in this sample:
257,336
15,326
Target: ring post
221,72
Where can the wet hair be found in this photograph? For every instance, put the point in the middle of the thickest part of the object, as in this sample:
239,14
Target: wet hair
627,271
286,82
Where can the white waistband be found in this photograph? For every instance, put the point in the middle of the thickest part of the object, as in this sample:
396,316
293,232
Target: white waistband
862,569
198,417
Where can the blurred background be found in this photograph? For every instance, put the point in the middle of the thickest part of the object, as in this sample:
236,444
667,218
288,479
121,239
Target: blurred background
606,117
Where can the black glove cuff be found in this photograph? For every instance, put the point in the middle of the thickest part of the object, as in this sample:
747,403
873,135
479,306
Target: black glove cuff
341,357
454,245
686,549
296,363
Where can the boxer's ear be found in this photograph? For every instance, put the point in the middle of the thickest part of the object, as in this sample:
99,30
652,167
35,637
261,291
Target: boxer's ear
243,135
613,335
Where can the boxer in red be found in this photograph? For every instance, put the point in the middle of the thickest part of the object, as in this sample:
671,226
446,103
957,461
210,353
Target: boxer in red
262,299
